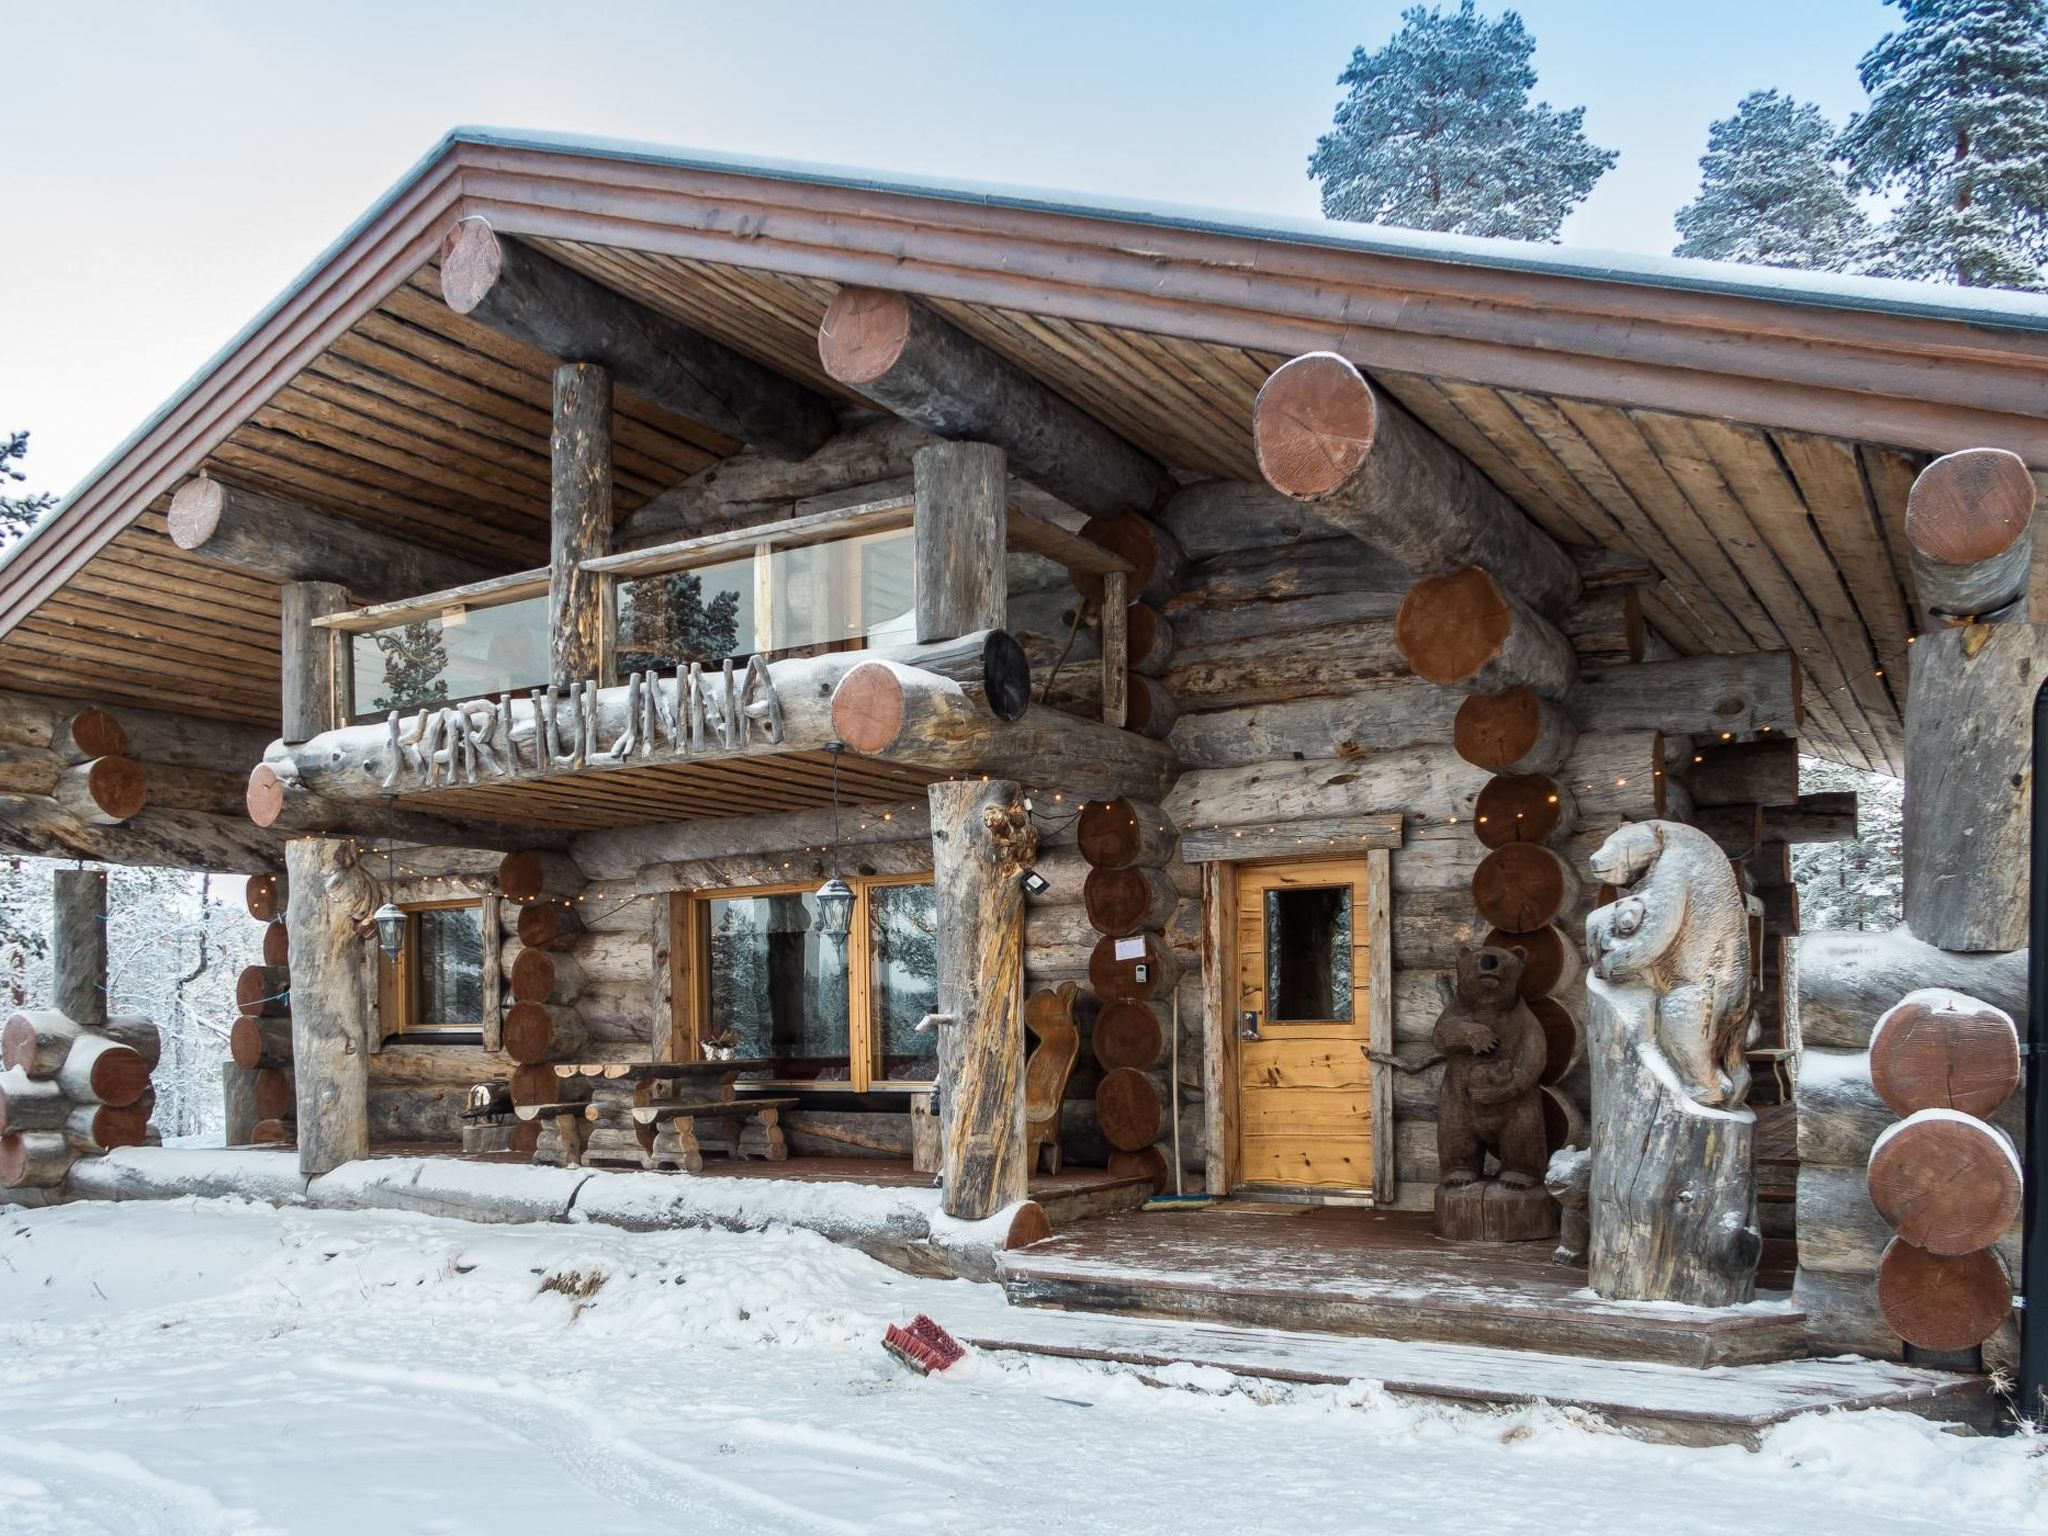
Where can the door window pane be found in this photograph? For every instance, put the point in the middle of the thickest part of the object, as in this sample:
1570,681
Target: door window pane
450,949
1308,953
903,925
778,984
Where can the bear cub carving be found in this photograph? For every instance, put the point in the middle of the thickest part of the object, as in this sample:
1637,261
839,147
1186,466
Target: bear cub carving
1493,1053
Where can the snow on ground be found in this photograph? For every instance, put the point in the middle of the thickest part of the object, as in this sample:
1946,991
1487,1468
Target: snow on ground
193,1367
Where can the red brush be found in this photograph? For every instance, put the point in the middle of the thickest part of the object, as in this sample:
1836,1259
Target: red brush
924,1346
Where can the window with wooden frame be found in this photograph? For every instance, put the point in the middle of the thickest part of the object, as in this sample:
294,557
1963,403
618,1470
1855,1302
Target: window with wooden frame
436,987
754,969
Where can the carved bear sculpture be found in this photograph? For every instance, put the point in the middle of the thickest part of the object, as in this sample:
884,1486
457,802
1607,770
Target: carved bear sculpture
1493,1055
1680,927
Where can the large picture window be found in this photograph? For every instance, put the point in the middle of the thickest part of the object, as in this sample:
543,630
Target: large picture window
435,987
823,1011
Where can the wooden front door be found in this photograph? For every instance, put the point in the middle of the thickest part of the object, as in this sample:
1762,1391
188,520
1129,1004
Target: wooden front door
1310,938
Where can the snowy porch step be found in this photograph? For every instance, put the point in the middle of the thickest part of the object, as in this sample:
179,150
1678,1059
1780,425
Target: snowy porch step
1724,1405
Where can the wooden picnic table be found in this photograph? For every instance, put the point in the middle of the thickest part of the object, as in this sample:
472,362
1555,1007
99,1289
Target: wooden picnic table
645,1114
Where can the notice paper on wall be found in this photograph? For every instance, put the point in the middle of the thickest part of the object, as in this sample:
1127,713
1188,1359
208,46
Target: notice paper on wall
1130,949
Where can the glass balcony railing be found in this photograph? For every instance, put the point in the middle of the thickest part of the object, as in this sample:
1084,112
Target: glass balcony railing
452,656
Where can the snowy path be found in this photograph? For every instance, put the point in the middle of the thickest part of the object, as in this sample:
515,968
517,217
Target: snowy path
197,1367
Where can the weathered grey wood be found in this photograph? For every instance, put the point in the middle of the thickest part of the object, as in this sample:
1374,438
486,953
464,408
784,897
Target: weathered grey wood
279,799
1467,629
962,514
78,945
1114,617
31,1104
1375,718
1694,696
1763,772
1969,731
1842,1315
580,523
906,358
256,531
1311,837
1969,535
317,665
99,1069
981,843
332,1009
1325,437
1848,980
520,292
238,1093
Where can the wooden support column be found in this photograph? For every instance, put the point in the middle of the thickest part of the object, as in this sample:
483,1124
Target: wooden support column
255,531
78,945
332,1011
1324,437
962,518
981,844
580,513
911,361
1116,649
318,664
522,293
1969,535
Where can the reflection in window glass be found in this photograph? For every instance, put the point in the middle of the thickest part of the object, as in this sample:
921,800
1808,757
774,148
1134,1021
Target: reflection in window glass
772,602
779,984
447,660
903,927
1308,953
449,950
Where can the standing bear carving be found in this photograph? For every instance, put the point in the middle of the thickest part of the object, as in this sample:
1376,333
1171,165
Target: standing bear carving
1680,927
1493,1055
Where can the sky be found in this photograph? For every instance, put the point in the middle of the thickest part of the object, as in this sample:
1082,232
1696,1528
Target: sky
167,168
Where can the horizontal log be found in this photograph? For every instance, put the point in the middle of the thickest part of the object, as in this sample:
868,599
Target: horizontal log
1123,901
279,798
1848,980
535,1032
265,896
1324,436
275,1092
1945,1182
1694,696
1762,773
36,1041
1942,1302
1842,1315
1523,885
542,976
519,292
264,991
100,1070
1402,713
1969,534
1518,731
1826,817
543,923
37,826
905,357
1465,630
31,1104
282,540
1292,839
1138,968
1936,1049
257,1041
104,1128
36,1159
1156,560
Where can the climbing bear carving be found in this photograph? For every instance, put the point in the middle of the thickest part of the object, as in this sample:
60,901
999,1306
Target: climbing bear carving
1680,927
1493,1055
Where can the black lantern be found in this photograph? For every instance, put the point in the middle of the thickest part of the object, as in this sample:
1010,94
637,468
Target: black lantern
835,896
389,918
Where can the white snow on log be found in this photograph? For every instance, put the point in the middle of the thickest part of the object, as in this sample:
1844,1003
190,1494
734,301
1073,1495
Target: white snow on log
1922,1116
171,1173
1940,1000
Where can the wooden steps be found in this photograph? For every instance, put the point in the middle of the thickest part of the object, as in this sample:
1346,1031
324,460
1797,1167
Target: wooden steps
1671,1403
1367,1273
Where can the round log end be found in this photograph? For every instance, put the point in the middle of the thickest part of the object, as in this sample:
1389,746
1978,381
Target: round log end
1942,1301
867,708
117,786
471,260
1313,425
271,1133
265,797
863,334
1551,958
245,1043
119,1076
521,876
18,1042
1450,626
1030,1225
1127,1109
264,897
1970,506
1127,1034
1005,676
1147,1163
1564,1124
533,976
17,1159
539,925
1110,834
1953,1054
195,512
261,990
1521,886
92,732
529,1034
277,944
1945,1182
276,1094
1563,1040
1518,808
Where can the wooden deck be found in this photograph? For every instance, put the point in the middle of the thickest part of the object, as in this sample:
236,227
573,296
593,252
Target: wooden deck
1345,1270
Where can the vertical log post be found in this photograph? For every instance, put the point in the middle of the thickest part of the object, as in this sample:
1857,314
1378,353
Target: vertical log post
981,843
1116,648
579,618
331,1010
318,664
962,520
78,945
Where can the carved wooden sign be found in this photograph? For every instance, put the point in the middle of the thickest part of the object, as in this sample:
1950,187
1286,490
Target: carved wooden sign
693,713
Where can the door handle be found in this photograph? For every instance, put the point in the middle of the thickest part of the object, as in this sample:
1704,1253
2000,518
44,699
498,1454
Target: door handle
1248,1024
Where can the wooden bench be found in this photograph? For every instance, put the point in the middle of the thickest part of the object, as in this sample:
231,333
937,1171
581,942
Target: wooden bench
752,1128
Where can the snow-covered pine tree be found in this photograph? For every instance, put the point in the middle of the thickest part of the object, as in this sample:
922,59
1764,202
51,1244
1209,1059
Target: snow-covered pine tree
1437,132
415,665
1957,130
18,514
1855,885
1774,191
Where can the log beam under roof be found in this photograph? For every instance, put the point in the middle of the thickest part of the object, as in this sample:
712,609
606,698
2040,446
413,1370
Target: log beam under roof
255,531
912,361
532,298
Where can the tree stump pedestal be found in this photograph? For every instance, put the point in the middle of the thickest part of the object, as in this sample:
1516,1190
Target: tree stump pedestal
1489,1212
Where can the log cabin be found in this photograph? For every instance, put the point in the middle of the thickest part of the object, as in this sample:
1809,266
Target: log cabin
728,667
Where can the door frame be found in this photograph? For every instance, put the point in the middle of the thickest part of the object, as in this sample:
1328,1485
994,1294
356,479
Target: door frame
1219,1035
